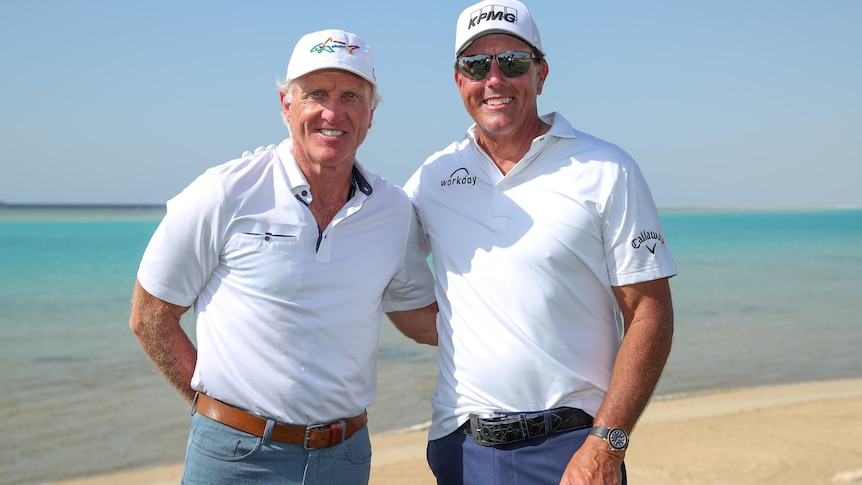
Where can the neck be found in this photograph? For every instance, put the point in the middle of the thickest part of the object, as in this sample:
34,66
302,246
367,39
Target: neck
329,187
329,182
507,149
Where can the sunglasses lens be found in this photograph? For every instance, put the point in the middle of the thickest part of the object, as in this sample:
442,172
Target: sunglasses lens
512,64
475,67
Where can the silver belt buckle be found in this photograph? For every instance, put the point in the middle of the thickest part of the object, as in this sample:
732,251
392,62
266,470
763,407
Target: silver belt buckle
475,426
308,430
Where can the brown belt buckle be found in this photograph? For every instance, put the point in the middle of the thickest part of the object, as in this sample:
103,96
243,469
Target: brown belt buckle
308,430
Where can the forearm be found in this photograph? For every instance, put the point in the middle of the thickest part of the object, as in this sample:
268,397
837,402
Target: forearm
637,369
419,324
156,324
648,315
173,354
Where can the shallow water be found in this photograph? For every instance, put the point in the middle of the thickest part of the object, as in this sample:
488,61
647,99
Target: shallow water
762,298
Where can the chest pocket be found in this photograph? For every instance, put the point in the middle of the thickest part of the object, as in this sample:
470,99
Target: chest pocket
268,260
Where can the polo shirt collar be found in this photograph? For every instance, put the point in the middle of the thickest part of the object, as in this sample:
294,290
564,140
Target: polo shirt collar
360,181
297,182
560,128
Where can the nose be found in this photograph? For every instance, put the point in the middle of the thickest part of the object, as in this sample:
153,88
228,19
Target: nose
495,75
333,112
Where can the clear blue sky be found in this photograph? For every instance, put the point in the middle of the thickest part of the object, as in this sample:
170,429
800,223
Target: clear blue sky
731,103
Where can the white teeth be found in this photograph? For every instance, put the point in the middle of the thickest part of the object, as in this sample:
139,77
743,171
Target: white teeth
498,101
332,132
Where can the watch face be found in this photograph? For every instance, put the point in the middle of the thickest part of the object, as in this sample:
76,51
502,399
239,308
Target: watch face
618,439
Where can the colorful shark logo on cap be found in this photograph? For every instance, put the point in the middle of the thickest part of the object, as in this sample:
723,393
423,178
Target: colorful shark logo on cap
330,45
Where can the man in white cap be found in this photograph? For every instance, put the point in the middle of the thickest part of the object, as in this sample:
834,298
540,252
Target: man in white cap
289,256
552,277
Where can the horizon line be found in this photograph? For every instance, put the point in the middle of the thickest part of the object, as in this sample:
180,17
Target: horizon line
137,205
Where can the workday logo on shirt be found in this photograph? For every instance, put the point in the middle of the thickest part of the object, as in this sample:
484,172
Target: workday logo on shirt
459,177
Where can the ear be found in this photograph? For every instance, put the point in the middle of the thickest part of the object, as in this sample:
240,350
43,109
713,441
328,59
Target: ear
458,80
285,106
543,74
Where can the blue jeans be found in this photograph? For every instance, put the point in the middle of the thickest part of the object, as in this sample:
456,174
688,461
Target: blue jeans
219,454
457,460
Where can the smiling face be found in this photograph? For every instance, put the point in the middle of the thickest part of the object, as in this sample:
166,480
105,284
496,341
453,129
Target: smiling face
329,114
502,106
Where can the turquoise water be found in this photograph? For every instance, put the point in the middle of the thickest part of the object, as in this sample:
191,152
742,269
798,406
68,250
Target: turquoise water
762,298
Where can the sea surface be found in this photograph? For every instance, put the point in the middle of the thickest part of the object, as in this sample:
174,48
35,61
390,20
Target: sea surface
762,297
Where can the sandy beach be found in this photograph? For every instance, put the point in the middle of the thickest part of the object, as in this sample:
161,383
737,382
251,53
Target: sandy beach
792,435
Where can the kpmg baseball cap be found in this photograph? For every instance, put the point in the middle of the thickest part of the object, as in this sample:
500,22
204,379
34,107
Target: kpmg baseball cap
496,17
331,49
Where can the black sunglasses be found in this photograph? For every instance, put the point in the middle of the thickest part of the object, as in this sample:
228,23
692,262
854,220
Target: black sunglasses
512,64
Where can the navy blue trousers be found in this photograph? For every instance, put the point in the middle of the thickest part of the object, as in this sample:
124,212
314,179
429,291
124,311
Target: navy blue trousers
457,460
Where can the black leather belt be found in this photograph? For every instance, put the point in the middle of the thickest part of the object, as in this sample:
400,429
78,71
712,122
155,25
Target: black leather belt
501,429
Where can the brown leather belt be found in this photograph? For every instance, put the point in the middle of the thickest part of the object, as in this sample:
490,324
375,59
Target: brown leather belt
310,437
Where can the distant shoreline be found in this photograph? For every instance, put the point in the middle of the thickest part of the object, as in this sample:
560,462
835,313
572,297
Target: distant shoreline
80,212
49,205
662,208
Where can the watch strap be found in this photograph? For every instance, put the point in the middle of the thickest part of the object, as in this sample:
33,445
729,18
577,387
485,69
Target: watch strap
615,437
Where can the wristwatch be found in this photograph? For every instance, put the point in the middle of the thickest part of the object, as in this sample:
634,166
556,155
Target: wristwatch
617,438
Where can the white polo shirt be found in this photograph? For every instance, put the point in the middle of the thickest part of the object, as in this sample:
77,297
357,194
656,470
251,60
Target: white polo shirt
285,329
525,264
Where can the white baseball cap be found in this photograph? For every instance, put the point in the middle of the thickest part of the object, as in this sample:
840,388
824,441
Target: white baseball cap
496,17
331,49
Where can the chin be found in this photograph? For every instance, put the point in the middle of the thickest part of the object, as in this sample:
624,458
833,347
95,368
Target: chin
497,127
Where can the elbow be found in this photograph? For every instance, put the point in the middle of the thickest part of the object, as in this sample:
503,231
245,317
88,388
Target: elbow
425,336
427,339
419,325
